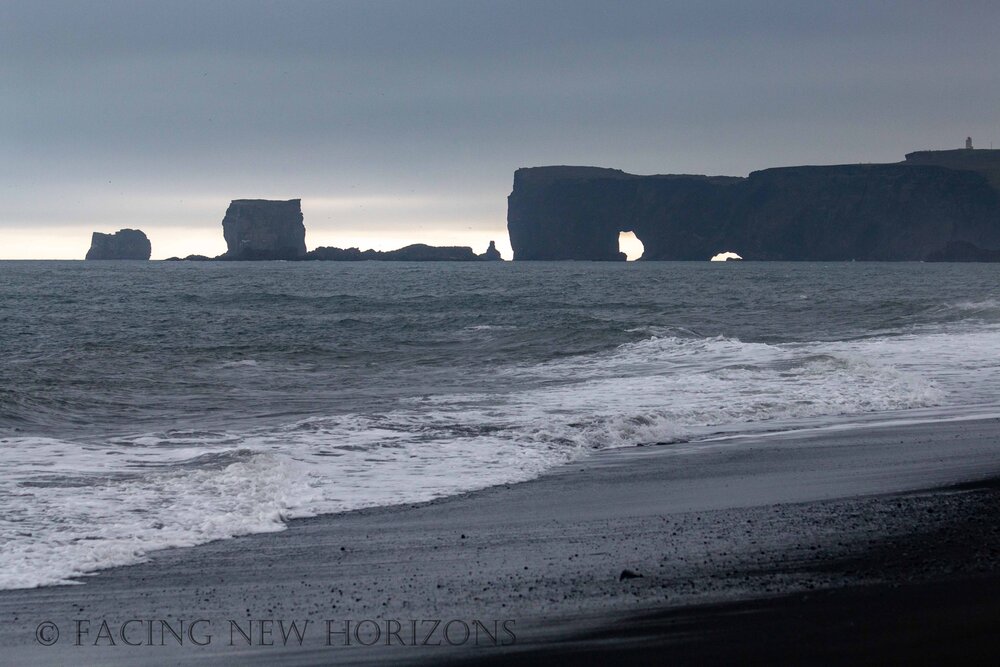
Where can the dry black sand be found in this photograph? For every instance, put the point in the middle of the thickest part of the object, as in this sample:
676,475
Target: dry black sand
937,602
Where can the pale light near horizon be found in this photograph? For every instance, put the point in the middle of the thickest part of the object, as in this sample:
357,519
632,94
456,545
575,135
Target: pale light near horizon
630,244
723,256
192,224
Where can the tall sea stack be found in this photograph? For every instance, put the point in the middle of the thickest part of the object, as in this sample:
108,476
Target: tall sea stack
123,244
264,229
492,254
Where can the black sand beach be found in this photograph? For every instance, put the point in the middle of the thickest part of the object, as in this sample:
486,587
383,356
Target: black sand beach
827,546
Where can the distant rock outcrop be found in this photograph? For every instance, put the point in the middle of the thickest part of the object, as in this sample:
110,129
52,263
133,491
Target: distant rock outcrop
491,254
942,205
259,229
420,252
262,229
331,254
123,244
417,252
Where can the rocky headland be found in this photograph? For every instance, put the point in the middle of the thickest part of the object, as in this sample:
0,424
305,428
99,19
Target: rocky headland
935,206
123,244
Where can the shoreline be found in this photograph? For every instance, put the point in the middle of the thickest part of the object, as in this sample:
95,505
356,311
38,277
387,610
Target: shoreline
703,523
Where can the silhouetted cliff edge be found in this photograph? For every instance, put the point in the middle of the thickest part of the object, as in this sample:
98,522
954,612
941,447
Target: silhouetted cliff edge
936,205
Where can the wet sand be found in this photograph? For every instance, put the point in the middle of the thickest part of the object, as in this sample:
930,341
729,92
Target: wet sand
817,525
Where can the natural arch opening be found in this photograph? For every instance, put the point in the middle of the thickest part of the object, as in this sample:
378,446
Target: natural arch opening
725,256
630,244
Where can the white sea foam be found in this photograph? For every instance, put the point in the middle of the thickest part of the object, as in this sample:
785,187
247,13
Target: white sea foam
241,362
977,306
75,507
490,327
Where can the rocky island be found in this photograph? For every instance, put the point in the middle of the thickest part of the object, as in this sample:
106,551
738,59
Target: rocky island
123,244
418,252
935,206
264,229
491,254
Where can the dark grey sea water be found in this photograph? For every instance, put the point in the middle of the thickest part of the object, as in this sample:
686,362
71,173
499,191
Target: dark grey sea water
145,405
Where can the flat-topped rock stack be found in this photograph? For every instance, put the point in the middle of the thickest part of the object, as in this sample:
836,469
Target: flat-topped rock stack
123,244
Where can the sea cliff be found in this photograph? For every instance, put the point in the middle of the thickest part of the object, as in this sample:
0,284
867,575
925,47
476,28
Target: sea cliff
936,205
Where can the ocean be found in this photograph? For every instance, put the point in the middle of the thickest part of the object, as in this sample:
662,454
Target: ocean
146,405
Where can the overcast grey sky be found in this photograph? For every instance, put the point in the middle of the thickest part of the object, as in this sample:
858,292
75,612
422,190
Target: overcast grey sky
399,122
